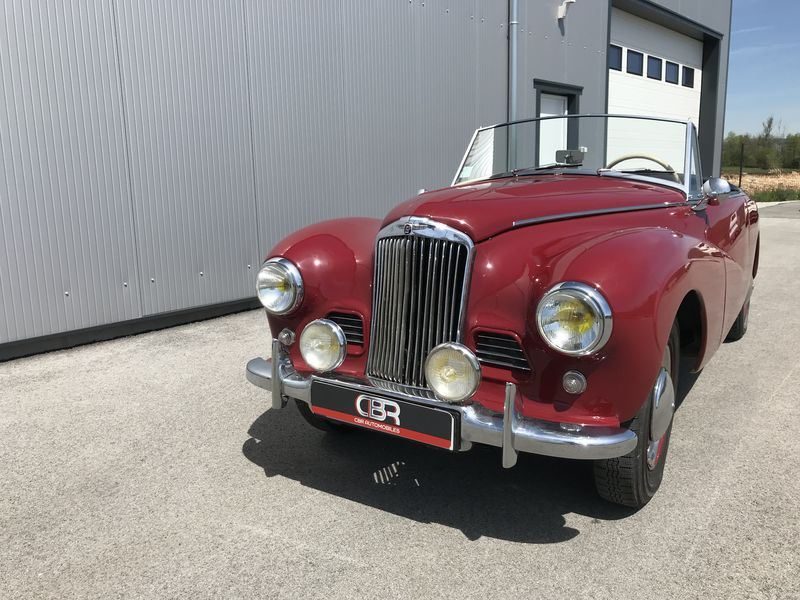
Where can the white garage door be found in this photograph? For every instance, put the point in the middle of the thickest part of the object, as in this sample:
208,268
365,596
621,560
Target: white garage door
653,70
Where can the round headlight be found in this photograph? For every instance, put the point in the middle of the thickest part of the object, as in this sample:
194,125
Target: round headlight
322,345
279,286
574,318
452,372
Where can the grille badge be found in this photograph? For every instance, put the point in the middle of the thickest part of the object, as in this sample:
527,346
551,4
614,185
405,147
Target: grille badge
413,226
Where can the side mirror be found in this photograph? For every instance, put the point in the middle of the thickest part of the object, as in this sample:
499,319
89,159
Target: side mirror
714,188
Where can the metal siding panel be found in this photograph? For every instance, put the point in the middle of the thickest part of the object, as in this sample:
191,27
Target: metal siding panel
223,127
186,100
491,84
711,13
576,56
65,219
358,105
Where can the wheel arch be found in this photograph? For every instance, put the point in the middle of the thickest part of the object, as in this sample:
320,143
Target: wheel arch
692,326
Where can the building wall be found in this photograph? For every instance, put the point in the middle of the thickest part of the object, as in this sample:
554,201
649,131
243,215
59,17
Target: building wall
153,151
574,52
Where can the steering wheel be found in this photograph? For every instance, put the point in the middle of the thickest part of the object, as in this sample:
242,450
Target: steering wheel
667,167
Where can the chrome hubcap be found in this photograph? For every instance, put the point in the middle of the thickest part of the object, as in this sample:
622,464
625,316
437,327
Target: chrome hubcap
663,399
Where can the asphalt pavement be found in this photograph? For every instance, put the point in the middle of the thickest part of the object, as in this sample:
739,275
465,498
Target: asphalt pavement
147,467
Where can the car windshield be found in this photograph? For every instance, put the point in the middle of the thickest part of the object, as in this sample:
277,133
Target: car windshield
638,147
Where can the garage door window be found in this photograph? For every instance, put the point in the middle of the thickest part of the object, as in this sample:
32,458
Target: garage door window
688,77
672,73
654,67
635,62
615,57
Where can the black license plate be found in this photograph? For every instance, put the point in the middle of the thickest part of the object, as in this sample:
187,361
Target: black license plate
408,420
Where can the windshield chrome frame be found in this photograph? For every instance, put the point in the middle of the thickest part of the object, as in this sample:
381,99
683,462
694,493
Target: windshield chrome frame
691,132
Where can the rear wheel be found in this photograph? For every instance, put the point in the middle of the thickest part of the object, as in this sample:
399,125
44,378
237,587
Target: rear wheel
739,327
633,479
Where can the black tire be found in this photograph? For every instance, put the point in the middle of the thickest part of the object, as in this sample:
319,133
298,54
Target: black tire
739,327
628,480
319,422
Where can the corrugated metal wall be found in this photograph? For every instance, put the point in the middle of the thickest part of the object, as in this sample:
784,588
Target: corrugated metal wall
152,151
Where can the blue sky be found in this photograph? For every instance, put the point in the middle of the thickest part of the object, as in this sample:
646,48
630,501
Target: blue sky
764,72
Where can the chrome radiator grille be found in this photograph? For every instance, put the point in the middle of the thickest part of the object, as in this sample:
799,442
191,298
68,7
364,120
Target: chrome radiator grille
417,302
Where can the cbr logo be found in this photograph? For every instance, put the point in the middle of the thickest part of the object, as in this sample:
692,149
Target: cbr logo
378,409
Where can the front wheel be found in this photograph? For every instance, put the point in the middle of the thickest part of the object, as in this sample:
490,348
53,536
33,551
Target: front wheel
633,479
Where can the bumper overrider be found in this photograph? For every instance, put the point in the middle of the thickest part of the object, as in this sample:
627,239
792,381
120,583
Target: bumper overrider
509,430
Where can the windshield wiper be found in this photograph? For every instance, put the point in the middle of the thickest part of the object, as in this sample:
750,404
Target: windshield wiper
534,170
639,170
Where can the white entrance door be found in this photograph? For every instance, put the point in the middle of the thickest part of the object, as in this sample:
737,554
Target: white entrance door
552,134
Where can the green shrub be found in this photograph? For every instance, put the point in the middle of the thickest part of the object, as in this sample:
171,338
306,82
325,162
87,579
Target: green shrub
776,195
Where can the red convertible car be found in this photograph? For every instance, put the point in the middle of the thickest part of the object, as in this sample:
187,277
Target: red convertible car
542,303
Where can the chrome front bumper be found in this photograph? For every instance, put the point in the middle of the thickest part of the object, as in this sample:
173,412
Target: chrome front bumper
509,431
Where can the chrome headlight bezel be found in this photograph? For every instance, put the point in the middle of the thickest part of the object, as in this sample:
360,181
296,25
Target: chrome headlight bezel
470,360
337,333
594,300
292,274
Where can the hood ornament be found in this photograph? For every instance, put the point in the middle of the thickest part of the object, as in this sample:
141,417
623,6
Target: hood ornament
412,226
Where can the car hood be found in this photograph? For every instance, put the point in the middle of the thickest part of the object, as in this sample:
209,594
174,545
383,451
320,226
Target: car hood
484,209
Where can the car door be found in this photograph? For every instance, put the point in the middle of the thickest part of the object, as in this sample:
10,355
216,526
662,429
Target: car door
727,229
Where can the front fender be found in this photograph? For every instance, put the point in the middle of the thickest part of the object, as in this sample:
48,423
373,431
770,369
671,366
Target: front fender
335,261
644,273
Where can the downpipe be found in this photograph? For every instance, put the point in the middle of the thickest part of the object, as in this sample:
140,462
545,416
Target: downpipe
513,24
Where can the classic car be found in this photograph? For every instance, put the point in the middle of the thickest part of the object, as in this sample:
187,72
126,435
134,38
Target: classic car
542,303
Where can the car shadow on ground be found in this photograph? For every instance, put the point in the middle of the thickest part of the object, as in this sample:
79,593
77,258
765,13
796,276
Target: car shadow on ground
469,491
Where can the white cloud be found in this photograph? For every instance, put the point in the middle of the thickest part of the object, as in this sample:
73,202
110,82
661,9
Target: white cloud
751,29
759,48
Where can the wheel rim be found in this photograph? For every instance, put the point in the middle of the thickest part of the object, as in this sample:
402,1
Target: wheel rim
655,448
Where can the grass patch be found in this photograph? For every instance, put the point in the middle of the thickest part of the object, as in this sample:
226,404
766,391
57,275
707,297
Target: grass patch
749,170
776,195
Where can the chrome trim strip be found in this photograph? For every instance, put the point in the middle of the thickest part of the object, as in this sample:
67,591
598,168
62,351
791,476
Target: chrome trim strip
464,159
638,177
595,115
509,412
277,392
687,159
592,213
509,430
